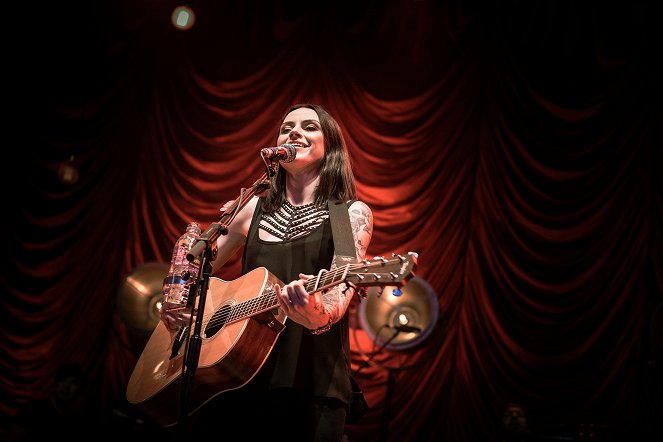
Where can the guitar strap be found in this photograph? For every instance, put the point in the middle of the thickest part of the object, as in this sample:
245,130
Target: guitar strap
344,246
344,249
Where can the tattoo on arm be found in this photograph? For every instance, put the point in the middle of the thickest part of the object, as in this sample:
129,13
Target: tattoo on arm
337,299
361,222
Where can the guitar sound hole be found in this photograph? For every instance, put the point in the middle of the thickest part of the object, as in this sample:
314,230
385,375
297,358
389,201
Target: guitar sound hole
218,320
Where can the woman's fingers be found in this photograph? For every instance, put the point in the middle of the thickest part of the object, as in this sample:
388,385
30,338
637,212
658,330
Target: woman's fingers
297,293
282,298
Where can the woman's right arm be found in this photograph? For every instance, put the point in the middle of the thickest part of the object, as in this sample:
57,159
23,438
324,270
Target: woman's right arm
227,246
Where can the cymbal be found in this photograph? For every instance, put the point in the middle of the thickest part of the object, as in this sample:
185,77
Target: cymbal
139,297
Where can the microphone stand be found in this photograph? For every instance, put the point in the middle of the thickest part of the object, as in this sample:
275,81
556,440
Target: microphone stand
367,362
390,385
391,380
205,250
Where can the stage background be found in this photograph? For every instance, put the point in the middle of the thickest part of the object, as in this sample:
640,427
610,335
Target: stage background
516,146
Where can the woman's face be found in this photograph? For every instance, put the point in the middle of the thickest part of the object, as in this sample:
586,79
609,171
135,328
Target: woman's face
301,128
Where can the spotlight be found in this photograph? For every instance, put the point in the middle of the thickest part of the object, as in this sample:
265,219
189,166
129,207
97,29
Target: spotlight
412,311
67,172
183,18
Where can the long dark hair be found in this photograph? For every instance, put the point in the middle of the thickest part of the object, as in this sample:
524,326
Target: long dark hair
336,178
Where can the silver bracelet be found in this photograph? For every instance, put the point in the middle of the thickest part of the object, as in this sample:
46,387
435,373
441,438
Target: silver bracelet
324,328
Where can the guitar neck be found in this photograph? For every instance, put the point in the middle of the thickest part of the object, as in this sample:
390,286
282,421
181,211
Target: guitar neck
267,300
376,272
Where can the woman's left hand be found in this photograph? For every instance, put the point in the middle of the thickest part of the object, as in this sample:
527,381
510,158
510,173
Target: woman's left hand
303,308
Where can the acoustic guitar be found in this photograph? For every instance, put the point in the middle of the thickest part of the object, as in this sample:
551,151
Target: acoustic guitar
240,326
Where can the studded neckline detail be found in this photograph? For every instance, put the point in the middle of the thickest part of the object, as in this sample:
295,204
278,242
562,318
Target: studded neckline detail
291,222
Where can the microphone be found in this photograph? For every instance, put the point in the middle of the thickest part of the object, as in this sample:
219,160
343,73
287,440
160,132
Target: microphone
284,153
405,328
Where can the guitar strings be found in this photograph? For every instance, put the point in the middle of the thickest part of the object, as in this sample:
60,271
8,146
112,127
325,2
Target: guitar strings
268,299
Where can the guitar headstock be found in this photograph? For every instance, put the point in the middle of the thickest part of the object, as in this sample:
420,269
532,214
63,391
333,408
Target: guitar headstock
380,271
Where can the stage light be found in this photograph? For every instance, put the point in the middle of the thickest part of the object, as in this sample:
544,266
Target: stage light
183,18
67,172
411,312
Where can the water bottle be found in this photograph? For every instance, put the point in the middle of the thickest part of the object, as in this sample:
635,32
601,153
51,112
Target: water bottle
182,273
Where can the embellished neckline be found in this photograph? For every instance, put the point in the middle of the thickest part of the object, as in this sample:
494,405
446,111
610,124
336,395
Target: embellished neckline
291,222
293,207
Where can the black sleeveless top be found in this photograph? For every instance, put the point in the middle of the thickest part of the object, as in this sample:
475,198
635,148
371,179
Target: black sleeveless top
312,364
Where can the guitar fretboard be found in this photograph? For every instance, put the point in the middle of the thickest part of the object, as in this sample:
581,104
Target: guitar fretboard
267,300
383,271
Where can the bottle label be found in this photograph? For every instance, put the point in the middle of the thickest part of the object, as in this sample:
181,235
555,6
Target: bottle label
173,279
182,273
